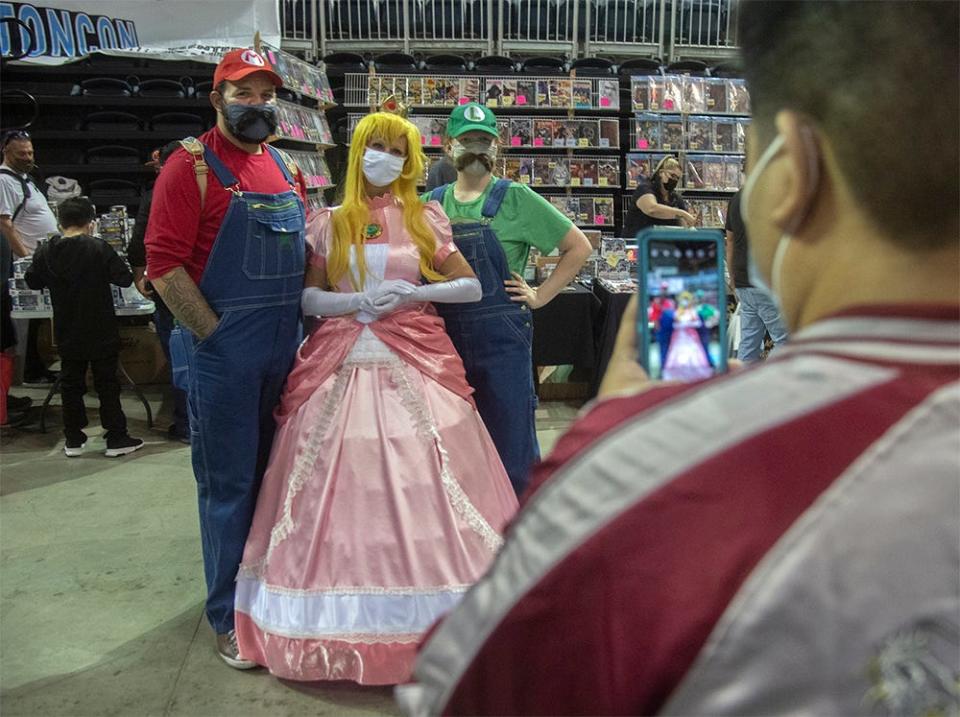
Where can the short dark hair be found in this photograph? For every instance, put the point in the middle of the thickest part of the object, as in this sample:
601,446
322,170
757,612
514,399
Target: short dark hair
75,212
879,79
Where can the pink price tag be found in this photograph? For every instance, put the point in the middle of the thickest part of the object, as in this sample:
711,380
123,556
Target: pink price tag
521,100
599,219
464,100
642,143
668,104
515,141
604,101
538,141
436,140
423,140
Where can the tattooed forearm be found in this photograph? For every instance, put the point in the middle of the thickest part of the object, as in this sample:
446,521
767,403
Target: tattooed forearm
185,301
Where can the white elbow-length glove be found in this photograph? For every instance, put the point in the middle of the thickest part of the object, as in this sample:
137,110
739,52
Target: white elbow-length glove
393,293
317,302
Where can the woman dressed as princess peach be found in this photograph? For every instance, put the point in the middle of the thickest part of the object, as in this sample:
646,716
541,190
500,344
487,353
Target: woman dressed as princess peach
384,499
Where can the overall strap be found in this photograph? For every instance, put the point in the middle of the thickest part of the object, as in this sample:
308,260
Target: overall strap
196,150
286,164
437,194
224,175
495,198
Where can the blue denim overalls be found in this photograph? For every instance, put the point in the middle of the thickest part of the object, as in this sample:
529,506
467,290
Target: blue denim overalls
494,337
253,281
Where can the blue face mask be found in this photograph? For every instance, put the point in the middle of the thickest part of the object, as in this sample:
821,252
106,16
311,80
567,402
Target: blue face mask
251,123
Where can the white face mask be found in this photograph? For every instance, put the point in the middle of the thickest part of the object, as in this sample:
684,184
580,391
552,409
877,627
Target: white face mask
753,270
381,168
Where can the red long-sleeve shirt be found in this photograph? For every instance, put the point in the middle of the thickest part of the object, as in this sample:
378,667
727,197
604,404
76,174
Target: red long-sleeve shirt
178,233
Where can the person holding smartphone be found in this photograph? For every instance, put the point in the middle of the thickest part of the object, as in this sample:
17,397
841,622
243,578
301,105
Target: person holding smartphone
656,201
782,540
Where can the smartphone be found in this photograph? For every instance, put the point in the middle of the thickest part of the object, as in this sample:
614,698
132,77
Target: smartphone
681,316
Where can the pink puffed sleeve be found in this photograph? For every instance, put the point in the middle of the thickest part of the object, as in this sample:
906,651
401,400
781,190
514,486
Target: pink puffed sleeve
438,221
319,230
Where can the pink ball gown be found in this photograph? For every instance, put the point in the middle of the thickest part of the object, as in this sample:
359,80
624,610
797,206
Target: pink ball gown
384,498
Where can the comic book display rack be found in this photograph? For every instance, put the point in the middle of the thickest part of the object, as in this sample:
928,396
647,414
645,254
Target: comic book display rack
700,120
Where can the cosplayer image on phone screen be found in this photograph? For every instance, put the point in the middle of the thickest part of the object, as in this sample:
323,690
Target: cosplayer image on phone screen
683,311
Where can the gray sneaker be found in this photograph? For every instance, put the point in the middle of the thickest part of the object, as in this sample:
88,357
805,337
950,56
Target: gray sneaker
230,653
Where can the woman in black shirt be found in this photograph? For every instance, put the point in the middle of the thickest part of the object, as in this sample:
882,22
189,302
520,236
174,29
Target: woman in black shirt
656,201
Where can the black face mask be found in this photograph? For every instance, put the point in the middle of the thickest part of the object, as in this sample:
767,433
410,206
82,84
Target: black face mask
251,123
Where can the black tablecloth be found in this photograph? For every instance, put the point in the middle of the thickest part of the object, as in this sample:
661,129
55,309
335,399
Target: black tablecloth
612,306
564,330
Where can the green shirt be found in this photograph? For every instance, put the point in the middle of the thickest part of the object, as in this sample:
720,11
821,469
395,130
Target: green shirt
525,219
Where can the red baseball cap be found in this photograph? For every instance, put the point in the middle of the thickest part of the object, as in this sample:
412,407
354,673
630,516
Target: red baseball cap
239,63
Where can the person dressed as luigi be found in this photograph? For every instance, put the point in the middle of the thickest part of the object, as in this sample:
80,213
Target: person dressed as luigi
495,222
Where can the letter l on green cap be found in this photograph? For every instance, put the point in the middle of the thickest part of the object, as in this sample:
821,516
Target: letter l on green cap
471,117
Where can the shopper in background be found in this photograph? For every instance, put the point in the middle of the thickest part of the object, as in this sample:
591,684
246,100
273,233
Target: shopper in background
384,498
656,202
759,312
79,269
12,408
228,261
495,222
783,540
25,221
442,172
162,318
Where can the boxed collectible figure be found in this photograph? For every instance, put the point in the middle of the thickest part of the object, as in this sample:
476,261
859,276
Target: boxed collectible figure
693,172
589,172
655,92
608,173
694,95
583,93
576,172
509,97
561,93
738,98
608,94
724,135
741,138
543,93
587,131
603,211
673,93
671,128
648,130
700,133
561,173
494,92
714,172
716,94
733,169
526,93
542,171
543,133
512,168
526,170
415,91
521,132
609,133
471,89
640,95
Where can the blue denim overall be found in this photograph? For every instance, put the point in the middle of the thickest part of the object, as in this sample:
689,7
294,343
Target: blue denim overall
253,281
494,337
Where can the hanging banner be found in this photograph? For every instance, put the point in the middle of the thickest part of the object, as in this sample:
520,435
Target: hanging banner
65,30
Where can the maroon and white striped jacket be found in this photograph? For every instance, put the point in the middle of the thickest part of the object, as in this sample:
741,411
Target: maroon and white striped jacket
781,540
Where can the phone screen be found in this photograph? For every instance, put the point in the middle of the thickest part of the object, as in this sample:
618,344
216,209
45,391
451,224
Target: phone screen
684,336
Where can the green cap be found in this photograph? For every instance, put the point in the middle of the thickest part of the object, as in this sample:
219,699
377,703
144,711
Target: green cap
471,117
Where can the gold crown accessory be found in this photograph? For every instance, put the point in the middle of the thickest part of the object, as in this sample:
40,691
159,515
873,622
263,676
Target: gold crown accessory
394,106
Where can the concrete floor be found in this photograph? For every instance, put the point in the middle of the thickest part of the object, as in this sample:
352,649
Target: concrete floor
102,590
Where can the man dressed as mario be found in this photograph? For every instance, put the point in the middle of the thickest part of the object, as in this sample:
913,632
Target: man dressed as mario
225,250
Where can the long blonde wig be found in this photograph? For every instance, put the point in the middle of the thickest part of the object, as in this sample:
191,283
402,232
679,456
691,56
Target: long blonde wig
351,219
